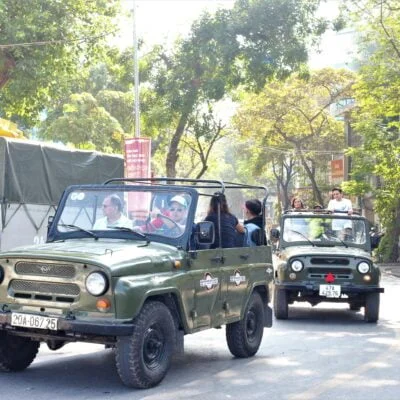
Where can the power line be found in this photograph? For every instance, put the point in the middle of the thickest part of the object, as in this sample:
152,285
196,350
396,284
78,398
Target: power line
52,42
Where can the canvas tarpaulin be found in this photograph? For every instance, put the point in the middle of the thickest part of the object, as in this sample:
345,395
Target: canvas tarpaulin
36,173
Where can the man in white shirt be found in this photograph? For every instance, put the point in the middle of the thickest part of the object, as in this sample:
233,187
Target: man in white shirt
338,203
113,217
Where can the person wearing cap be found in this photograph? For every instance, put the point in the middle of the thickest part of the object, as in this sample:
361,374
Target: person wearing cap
178,210
172,221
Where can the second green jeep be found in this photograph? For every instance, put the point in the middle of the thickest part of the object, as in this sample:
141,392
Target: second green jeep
120,270
325,257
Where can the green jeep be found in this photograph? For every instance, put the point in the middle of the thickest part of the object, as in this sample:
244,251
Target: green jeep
138,281
325,257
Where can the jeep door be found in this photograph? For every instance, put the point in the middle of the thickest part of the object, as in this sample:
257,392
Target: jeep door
209,288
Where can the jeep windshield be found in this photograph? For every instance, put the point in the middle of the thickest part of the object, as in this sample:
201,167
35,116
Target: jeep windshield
126,213
324,230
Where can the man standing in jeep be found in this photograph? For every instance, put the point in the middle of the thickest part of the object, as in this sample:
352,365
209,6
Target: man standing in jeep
338,203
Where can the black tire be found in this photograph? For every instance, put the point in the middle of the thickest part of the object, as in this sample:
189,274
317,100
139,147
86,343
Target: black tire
143,359
244,337
281,306
16,352
371,311
354,307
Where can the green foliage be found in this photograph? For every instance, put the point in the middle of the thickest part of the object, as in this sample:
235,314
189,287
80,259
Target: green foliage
48,44
87,125
247,45
291,119
376,117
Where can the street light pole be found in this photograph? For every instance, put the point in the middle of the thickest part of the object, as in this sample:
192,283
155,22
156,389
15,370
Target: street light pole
136,74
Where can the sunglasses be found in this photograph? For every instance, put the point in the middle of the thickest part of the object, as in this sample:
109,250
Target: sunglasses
176,209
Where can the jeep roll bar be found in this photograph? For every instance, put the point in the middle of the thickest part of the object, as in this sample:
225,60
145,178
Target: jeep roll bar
198,183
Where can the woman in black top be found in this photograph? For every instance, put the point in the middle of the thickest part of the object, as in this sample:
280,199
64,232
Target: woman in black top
219,210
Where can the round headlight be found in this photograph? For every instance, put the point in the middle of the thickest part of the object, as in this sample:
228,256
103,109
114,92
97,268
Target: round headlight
363,267
96,284
296,265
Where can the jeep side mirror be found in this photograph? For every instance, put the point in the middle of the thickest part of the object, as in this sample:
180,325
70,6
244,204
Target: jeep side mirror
205,232
275,233
375,239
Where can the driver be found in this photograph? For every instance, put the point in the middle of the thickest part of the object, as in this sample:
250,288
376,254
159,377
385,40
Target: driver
177,212
171,222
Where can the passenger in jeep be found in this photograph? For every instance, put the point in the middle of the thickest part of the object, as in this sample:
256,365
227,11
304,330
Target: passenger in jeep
219,213
113,217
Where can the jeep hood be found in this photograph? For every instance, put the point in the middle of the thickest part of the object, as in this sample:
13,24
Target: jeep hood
106,252
341,251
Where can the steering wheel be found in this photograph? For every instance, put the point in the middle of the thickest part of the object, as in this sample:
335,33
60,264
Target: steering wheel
175,227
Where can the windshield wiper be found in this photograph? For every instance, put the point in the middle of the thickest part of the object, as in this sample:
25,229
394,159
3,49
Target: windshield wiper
126,229
304,236
330,236
78,228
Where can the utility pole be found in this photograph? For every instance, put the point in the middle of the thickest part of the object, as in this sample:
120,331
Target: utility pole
136,74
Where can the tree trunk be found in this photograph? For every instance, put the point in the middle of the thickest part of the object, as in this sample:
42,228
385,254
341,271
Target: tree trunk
172,156
396,235
316,191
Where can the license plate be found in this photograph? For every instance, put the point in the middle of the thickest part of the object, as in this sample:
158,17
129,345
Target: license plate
34,321
329,290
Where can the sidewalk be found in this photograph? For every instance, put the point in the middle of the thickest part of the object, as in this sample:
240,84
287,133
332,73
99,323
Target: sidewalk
390,268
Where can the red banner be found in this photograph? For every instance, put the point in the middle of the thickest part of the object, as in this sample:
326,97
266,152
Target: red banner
137,157
337,169
137,165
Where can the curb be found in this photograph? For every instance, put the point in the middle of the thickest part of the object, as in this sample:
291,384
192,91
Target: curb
391,269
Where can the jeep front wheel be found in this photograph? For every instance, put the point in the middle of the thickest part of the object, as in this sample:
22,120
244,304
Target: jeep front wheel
371,309
143,359
16,352
281,307
244,337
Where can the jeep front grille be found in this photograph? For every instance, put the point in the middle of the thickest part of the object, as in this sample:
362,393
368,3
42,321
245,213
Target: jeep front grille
329,261
46,291
45,269
339,273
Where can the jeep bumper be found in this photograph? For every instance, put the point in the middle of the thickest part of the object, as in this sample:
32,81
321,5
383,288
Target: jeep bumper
313,288
72,326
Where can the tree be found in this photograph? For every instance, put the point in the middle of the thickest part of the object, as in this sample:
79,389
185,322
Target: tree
86,125
201,135
247,45
46,44
293,118
376,117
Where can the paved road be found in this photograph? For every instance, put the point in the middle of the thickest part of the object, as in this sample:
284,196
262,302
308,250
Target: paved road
326,352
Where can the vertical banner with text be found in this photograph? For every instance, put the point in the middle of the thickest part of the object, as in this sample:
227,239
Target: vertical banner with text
337,171
137,165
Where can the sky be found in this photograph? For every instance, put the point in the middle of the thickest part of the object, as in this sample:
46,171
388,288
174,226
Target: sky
162,21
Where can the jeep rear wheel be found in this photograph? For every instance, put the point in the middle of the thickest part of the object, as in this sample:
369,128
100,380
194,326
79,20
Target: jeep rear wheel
244,337
143,359
16,352
371,309
281,307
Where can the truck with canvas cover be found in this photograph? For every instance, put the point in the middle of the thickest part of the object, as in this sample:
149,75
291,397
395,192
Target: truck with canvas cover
33,176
